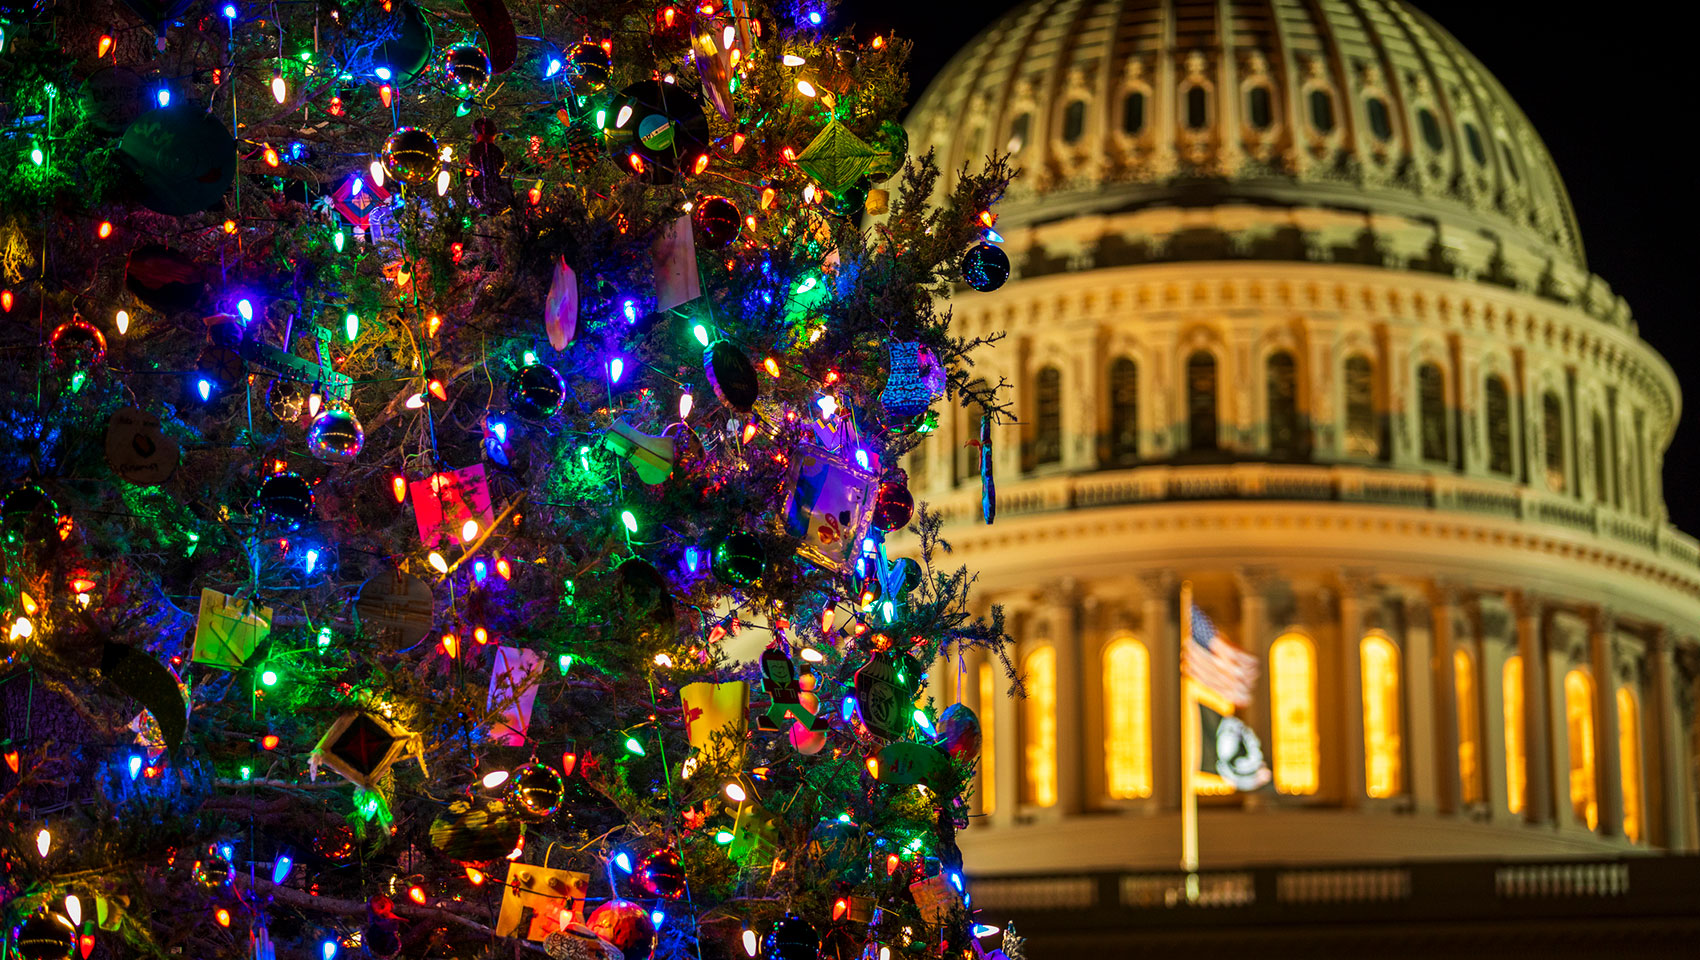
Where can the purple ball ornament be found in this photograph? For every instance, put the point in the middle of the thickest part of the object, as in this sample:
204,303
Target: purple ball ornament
959,732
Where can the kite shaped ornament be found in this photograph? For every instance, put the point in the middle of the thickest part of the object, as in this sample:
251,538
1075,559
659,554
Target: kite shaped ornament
837,158
779,679
363,747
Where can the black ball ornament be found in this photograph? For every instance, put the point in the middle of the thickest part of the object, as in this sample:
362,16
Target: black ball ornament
792,938
718,221
411,155
28,515
985,267
286,500
535,391
851,203
894,506
535,791
467,69
590,65
45,937
661,875
77,344
739,560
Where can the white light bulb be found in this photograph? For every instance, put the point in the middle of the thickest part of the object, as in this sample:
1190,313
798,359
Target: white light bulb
123,321
442,182
280,90
74,909
44,841
469,531
495,778
685,404
377,169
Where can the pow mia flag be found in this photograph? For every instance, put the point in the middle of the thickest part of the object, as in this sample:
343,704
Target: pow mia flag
1230,749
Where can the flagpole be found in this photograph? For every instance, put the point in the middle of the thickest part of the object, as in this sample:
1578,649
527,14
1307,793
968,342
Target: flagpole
1189,758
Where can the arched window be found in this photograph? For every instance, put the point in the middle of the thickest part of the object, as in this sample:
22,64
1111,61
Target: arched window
1516,771
1018,132
1552,429
1133,113
1510,162
1383,750
1380,121
1602,465
1047,416
1039,729
1260,107
1322,111
988,749
1497,400
1127,719
1579,723
1074,120
1363,438
1286,439
1124,412
1197,107
1201,400
1431,411
1292,707
1430,127
1473,138
1629,761
1469,725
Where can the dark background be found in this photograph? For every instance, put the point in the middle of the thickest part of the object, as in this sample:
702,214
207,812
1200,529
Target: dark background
1604,94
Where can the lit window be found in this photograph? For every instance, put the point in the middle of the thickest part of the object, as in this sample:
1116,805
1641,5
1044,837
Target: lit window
1074,120
1383,769
1363,438
1197,108
1498,403
1431,409
1579,722
1127,719
988,749
1629,754
1292,689
1602,482
1124,413
1201,400
1469,725
1039,729
1516,773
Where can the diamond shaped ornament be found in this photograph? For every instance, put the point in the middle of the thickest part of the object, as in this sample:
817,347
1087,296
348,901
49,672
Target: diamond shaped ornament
837,158
363,746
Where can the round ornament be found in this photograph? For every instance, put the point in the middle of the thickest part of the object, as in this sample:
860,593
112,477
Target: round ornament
467,68
718,221
77,344
335,436
985,267
908,574
535,391
959,732
287,399
576,941
805,741
165,279
407,49
892,142
661,875
852,201
138,449
476,833
183,157
625,925
214,873
411,155
29,515
535,790
731,375
112,98
658,128
45,937
739,560
589,65
792,938
286,500
894,506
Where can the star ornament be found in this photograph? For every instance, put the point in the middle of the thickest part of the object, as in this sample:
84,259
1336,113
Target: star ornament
363,747
837,158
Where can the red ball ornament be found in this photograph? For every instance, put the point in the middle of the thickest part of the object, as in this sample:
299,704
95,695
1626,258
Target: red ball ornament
718,221
894,507
627,926
661,875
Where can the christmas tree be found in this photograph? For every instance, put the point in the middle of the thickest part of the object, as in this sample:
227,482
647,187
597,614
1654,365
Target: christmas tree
405,404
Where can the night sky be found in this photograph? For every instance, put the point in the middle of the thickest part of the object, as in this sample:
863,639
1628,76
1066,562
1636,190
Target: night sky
1602,94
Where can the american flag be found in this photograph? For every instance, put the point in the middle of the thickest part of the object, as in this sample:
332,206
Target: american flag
1211,660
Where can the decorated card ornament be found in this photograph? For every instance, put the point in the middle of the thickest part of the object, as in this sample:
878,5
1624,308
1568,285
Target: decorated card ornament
781,682
828,506
443,502
513,689
675,257
906,763
554,898
710,708
651,456
560,310
363,746
138,450
396,606
885,695
937,899
915,382
228,630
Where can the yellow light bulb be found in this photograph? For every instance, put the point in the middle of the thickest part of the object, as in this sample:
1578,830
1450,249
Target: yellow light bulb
44,841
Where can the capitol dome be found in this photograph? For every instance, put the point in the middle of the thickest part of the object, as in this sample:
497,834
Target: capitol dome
1299,318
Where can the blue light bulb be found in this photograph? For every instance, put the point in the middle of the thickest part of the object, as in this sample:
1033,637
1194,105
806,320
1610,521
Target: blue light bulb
164,97
245,308
230,11
205,387
383,73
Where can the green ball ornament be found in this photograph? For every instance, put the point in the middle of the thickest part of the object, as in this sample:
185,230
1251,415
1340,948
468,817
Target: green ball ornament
893,143
411,155
535,791
335,436
45,937
29,515
184,158
467,69
739,560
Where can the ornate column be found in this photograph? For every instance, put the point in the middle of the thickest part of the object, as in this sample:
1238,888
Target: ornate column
1662,711
1067,630
1158,614
1445,699
1608,776
1422,784
1354,588
1538,777
1254,638
1490,672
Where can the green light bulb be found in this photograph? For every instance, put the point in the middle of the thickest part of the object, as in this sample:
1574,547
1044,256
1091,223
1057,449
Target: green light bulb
629,520
268,678
351,326
701,334
633,746
336,241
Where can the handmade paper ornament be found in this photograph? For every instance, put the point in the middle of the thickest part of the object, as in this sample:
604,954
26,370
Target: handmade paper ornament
792,938
885,696
717,220
894,506
286,500
492,17
363,746
383,928
149,683
335,436
660,874
547,894
755,835
287,400
306,375
674,254
228,630
905,764
183,158
560,310
536,791
579,942
959,732
781,682
715,708
985,267
137,449
444,502
589,66
915,382
936,898
513,689
476,832
627,926
836,158
467,69
535,391
739,560
45,936
988,486
411,155
166,280
112,99
487,183
828,505
364,209
651,456
659,130
891,141
731,375
76,344
395,606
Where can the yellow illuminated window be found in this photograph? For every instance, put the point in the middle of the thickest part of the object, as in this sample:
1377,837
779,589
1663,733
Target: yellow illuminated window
1127,719
1579,722
1039,729
988,750
1516,773
1383,769
1629,754
1469,726
1292,687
